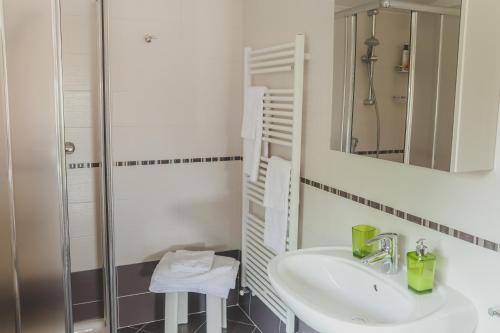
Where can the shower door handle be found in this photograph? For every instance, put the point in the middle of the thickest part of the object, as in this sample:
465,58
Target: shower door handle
69,147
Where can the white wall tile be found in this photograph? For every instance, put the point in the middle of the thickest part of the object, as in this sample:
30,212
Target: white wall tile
79,72
83,185
159,207
81,109
87,144
85,219
85,8
178,96
148,228
85,253
82,125
79,33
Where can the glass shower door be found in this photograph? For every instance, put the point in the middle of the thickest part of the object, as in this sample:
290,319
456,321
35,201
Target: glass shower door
82,82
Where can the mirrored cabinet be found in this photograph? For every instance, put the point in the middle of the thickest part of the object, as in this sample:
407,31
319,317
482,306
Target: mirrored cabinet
400,69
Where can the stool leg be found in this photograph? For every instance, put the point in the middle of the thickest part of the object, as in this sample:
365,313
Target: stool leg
224,313
171,312
214,314
182,314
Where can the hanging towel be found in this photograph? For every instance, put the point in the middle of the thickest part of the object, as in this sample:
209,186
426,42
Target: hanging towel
251,131
217,281
192,261
276,202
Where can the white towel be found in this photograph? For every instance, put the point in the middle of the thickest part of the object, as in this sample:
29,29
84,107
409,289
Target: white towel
217,286
276,202
251,130
221,265
192,261
218,281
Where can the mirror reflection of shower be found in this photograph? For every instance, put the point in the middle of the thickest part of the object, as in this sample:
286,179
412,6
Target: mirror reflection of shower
369,59
395,71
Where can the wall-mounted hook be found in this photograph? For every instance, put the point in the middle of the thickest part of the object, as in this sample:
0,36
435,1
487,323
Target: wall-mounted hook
149,37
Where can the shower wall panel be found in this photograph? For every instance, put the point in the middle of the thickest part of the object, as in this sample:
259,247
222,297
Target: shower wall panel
82,118
7,293
31,38
393,30
176,105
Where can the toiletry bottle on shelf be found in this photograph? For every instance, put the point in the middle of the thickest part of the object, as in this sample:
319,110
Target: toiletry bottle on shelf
405,57
421,269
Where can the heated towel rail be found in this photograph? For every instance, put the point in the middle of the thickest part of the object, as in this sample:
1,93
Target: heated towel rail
282,131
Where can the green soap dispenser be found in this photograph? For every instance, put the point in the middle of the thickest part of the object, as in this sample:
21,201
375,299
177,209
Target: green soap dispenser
421,269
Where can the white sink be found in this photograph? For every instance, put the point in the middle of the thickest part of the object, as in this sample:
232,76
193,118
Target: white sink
333,292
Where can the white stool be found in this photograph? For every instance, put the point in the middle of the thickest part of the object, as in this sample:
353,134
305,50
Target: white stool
176,312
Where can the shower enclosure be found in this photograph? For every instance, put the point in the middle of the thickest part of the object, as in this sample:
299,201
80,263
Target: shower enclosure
395,73
83,222
54,275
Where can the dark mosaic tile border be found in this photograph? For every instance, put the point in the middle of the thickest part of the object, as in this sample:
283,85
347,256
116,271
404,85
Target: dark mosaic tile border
85,165
489,245
179,161
382,152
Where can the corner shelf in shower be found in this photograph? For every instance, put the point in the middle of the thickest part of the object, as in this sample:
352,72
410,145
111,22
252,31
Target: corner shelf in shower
401,69
400,99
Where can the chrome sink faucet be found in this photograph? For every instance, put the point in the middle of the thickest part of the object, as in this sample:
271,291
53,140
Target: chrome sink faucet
388,253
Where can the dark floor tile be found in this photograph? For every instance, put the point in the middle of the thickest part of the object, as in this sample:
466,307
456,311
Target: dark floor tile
86,311
131,329
195,321
235,313
264,318
232,327
244,302
87,286
127,330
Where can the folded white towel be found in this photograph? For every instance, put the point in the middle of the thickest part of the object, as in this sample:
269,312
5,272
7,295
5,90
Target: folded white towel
276,202
218,281
251,130
217,286
221,265
192,261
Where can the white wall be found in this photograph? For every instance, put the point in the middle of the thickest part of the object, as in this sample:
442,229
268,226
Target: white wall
468,202
179,96
79,27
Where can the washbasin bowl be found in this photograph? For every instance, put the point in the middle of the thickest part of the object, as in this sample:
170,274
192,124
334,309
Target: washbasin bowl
333,292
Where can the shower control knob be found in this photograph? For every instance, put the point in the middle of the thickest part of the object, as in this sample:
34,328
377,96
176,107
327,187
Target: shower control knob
69,147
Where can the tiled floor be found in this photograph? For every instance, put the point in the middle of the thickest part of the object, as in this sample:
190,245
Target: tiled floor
237,322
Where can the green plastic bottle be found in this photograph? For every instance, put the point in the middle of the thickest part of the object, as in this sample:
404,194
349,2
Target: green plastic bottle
421,269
